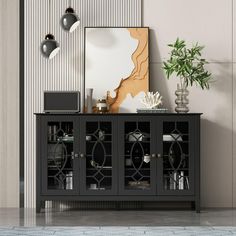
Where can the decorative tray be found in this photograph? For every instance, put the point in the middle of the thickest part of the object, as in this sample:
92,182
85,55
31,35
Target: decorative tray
154,110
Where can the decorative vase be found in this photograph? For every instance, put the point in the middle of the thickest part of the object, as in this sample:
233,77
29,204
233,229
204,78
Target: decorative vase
181,100
89,92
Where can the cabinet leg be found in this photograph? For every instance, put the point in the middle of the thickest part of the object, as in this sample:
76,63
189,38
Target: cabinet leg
197,207
193,206
38,206
43,204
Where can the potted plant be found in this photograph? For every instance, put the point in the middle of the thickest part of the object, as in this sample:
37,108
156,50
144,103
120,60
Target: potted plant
189,66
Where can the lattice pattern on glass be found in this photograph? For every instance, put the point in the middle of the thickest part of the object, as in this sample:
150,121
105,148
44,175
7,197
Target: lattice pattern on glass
137,156
98,155
176,155
60,155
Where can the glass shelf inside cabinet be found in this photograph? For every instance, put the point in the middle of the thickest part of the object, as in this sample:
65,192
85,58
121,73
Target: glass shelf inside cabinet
176,155
137,155
60,153
98,155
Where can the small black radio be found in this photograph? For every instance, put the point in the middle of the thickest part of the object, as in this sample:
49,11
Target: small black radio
61,101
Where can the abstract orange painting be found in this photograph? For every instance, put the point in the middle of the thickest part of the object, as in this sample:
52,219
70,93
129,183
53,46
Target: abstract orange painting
117,66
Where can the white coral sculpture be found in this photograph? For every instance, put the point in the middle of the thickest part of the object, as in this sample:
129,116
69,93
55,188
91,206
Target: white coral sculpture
152,100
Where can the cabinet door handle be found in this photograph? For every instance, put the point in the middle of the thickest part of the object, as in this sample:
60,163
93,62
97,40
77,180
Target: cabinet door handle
82,155
159,155
154,155
76,155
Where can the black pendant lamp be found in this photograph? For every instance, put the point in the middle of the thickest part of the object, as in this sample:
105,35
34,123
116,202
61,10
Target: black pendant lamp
49,47
70,20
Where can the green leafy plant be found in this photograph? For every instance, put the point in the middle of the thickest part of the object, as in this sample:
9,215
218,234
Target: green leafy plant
187,64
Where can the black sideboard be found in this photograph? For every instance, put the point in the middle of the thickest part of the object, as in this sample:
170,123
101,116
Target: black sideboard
118,157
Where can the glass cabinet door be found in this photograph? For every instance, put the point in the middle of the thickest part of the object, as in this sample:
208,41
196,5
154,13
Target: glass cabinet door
177,171
99,157
59,163
137,163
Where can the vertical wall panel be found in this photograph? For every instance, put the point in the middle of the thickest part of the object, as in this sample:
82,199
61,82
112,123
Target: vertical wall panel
9,103
65,71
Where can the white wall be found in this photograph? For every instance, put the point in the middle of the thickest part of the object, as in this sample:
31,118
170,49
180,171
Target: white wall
210,22
9,103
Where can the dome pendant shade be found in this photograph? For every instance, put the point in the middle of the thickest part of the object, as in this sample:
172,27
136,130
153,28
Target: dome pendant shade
49,47
70,21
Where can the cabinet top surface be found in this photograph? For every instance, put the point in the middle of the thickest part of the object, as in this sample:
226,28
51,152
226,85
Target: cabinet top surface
119,114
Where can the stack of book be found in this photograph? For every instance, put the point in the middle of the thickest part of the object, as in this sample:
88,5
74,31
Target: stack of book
177,181
52,130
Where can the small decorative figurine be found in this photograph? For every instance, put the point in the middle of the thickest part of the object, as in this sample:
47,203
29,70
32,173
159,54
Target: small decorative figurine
152,100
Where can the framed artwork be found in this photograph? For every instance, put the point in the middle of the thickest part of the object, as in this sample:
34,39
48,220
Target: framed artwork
117,66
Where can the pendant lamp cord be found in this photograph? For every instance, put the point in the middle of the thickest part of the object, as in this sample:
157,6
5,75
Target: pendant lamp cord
69,3
49,15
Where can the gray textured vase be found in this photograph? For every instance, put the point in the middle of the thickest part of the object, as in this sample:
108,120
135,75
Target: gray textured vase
181,100
89,92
